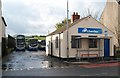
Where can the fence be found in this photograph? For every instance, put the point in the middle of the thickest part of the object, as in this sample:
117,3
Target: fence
4,51
10,42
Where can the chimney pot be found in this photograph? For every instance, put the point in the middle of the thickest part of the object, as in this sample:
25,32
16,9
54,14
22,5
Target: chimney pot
76,13
75,17
73,13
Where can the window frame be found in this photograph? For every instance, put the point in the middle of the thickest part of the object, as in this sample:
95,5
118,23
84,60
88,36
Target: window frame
93,42
56,42
74,41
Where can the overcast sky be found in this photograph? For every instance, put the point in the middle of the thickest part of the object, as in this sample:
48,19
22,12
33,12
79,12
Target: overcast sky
40,16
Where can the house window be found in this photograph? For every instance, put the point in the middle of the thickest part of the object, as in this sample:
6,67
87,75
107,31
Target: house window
92,42
76,42
56,42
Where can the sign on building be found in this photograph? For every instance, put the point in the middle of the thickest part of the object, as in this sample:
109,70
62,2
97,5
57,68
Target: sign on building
90,30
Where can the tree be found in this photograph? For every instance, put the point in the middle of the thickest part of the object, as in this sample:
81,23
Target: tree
91,12
88,12
61,24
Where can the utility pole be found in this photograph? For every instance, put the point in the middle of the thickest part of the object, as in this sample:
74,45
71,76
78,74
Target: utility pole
67,33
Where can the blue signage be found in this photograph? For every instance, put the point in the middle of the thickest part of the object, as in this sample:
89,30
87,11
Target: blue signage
90,30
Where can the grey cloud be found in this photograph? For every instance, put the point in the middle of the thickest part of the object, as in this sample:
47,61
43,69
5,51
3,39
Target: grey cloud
18,16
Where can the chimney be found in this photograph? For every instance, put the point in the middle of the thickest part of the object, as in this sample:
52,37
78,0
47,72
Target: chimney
75,17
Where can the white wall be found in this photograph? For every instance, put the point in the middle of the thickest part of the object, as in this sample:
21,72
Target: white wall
88,23
3,30
48,39
0,39
0,27
55,51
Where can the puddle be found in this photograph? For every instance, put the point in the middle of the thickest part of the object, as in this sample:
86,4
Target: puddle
31,65
30,60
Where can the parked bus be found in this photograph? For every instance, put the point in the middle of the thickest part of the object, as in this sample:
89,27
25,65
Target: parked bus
33,44
42,45
20,43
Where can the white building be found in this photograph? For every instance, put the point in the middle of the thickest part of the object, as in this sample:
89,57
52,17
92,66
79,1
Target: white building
87,38
2,28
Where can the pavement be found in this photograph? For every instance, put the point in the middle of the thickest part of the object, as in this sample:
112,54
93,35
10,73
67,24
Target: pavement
98,62
101,65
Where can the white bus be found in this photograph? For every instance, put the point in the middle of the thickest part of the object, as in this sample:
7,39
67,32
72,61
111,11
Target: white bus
33,44
20,43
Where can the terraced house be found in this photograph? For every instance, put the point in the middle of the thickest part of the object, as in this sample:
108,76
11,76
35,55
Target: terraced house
111,18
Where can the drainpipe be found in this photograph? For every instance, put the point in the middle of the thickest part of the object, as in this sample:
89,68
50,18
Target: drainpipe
59,47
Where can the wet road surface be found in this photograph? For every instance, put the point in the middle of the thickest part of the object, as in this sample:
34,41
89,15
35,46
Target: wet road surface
35,63
28,60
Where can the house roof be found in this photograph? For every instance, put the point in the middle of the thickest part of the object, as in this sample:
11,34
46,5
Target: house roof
62,29
4,21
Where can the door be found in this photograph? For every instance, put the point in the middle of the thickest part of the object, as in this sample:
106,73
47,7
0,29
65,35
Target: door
106,48
51,49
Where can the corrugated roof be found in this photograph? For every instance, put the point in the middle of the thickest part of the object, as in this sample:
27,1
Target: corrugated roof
62,29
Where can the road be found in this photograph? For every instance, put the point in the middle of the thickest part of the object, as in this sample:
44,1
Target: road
35,63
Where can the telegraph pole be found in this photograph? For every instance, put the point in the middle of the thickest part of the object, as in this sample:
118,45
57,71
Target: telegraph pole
67,33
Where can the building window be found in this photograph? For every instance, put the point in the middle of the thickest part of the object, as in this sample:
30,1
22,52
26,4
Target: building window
56,42
76,42
92,43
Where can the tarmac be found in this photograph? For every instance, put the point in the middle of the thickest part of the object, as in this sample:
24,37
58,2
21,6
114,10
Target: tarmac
65,62
38,64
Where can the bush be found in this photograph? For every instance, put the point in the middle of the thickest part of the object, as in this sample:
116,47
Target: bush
117,54
118,51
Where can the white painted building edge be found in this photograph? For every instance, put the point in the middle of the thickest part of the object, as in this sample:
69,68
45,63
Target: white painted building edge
2,33
73,31
2,28
0,39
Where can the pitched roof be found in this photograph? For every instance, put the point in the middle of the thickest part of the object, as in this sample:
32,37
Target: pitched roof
62,29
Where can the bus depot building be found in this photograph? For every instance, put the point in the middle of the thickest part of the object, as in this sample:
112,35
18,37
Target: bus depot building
87,37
